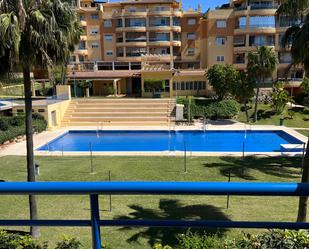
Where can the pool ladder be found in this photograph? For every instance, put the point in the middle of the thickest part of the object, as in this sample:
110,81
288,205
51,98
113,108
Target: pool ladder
99,128
205,124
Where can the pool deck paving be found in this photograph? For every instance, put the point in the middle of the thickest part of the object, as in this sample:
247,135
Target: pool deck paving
19,149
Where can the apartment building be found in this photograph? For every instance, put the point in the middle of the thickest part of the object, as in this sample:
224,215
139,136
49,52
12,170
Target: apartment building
127,43
235,29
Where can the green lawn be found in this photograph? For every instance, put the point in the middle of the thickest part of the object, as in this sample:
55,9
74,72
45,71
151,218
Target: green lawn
304,132
157,207
17,90
300,118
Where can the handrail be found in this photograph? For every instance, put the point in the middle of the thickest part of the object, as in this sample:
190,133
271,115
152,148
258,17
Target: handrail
93,189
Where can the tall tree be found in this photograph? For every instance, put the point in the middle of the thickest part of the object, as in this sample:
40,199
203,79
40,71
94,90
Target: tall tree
35,32
298,36
221,77
261,64
243,90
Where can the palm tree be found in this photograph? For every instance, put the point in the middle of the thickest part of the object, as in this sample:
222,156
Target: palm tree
35,32
261,64
298,35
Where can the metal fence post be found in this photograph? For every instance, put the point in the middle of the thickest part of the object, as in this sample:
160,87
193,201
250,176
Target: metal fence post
95,221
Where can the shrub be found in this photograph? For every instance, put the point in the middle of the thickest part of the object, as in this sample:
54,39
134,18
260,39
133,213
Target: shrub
108,90
195,241
306,101
37,116
14,241
68,243
4,124
16,127
17,120
39,125
152,85
222,109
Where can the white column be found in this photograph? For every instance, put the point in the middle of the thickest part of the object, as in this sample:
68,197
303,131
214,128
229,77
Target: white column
115,87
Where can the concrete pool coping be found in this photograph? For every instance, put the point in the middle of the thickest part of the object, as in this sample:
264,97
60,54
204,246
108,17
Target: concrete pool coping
19,149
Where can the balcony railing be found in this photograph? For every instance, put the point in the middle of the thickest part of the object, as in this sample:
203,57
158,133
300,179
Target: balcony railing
94,189
263,6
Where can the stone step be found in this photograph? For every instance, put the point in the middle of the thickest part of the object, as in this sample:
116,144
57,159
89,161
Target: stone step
91,112
120,105
109,119
116,114
116,123
122,100
114,110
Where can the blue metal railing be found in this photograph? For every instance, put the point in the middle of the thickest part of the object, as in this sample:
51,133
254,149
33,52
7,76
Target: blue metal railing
94,189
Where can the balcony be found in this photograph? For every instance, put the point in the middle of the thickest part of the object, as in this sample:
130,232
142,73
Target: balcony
94,189
261,6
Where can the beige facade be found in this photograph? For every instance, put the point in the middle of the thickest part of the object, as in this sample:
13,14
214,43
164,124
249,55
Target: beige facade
238,28
158,39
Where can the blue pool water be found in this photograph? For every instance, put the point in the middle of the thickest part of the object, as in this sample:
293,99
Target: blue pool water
198,141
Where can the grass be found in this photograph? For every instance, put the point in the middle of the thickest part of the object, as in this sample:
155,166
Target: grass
304,132
299,118
17,90
151,207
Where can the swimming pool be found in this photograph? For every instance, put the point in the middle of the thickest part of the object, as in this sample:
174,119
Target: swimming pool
196,141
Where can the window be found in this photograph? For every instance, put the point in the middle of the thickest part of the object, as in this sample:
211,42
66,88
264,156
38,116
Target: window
241,23
109,52
95,45
189,85
191,51
220,41
220,58
261,40
41,110
108,23
285,57
94,16
82,45
132,9
221,23
262,21
73,58
239,58
81,58
108,37
191,36
135,22
94,31
119,23
161,8
191,21
82,18
240,41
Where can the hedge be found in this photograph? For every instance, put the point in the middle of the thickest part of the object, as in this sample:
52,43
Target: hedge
224,109
16,127
272,239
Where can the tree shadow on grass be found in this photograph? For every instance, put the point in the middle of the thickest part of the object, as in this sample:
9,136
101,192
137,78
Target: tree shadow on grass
171,209
283,167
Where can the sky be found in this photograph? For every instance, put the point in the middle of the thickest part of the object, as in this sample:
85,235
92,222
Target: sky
205,4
